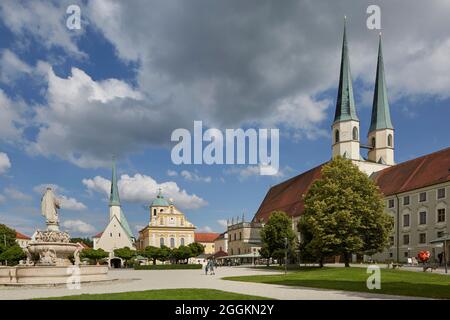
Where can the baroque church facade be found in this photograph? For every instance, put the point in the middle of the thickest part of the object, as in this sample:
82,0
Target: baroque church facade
168,226
416,192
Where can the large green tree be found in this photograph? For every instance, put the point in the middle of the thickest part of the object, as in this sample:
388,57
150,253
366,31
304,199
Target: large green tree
164,253
125,253
344,214
196,248
12,255
151,253
7,237
181,253
94,254
274,235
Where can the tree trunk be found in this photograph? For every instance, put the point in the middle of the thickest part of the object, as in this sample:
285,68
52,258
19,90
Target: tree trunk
321,262
347,259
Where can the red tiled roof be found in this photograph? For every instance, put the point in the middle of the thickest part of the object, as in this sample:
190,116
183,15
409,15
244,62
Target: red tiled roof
84,245
206,237
288,195
22,236
220,253
417,173
98,235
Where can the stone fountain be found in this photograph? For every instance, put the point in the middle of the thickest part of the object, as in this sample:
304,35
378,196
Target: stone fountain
48,255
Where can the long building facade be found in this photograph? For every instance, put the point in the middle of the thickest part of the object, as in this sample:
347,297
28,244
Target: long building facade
416,191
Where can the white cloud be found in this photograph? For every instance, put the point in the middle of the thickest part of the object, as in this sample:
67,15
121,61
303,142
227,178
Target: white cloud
2,198
193,176
68,203
143,189
45,21
78,226
15,194
246,172
11,120
71,203
5,163
11,67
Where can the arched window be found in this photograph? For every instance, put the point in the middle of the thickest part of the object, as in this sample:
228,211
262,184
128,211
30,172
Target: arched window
373,142
390,140
172,242
161,242
355,133
240,235
154,212
182,241
336,136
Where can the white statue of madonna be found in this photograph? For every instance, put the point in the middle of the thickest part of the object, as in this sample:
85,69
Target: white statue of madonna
49,209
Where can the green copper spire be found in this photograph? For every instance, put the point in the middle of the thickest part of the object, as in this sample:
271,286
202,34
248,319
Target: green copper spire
345,104
381,116
114,196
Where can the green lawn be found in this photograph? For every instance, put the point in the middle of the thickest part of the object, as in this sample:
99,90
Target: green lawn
397,282
164,294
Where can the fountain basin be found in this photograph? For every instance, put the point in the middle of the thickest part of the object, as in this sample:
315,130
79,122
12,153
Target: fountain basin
58,252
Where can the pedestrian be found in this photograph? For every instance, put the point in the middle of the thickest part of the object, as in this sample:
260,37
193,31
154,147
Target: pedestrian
206,268
211,267
440,257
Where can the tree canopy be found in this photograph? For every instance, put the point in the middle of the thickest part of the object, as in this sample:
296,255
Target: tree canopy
274,235
94,254
344,214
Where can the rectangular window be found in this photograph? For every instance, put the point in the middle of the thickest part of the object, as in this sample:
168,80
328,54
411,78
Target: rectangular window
406,220
422,238
406,239
405,200
441,215
441,193
440,234
406,254
391,203
422,217
390,255
391,240
422,197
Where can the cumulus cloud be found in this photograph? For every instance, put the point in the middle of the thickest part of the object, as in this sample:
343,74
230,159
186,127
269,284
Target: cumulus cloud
5,163
143,189
228,63
78,226
172,173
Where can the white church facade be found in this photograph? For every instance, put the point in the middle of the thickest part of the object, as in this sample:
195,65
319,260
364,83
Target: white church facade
117,233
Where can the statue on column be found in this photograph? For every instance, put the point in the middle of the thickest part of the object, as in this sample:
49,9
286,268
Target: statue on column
49,209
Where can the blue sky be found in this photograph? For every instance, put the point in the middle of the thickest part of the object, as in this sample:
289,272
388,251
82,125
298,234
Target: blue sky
71,99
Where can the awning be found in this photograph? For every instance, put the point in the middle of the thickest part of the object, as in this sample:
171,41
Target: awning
237,256
441,239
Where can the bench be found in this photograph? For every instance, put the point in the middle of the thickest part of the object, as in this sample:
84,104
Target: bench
431,266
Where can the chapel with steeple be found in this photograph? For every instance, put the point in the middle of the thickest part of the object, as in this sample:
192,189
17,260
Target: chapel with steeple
117,233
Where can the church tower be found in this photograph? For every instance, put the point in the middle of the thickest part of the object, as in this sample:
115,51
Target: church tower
345,128
381,131
114,201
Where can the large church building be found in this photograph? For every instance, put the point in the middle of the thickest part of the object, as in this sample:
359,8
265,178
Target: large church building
416,191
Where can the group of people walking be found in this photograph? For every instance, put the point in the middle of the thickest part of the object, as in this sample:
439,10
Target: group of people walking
209,267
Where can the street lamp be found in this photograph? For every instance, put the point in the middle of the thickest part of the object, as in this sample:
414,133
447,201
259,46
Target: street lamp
285,254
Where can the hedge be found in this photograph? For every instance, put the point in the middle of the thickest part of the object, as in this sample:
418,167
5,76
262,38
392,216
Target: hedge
168,266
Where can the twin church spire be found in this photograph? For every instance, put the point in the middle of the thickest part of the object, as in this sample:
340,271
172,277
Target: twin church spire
345,128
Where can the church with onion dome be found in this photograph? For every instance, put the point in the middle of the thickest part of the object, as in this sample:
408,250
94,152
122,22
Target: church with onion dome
168,226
